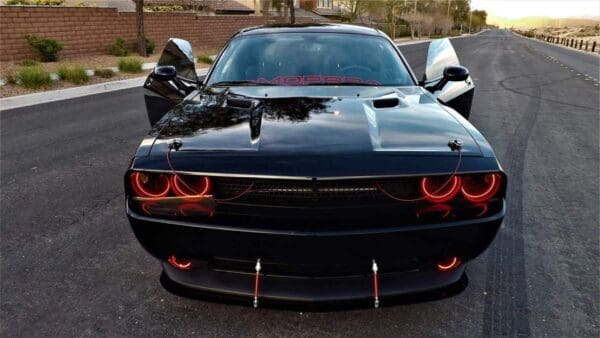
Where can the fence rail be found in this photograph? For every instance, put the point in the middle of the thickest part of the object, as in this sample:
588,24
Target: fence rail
589,46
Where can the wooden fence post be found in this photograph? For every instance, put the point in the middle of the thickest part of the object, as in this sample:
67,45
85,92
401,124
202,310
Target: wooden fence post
593,46
586,45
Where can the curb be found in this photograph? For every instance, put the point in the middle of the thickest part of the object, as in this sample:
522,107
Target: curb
558,45
20,101
413,42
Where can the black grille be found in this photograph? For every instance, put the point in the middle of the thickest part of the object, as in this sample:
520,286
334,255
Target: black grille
312,192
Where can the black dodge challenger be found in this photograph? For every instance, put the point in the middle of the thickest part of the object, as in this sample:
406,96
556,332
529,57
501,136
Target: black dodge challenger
310,165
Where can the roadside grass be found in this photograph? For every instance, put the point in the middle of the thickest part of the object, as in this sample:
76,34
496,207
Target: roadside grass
73,74
34,77
130,65
27,62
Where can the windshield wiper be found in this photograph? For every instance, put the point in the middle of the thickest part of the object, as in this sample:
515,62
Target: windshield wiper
239,83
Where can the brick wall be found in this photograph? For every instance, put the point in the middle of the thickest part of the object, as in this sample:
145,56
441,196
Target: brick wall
91,31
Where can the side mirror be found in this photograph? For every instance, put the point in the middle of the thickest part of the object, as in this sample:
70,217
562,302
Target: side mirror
456,73
164,73
453,73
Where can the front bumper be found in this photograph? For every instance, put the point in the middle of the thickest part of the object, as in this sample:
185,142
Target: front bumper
312,267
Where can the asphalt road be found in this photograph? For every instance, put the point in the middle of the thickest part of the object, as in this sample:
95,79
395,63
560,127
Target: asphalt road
70,265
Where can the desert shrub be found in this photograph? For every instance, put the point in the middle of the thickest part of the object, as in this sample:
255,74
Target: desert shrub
17,2
164,8
74,74
130,65
104,73
205,59
47,49
33,77
28,62
119,48
81,4
35,2
48,2
150,46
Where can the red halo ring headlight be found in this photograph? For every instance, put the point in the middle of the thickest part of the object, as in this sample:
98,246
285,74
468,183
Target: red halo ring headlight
190,187
440,189
480,188
150,185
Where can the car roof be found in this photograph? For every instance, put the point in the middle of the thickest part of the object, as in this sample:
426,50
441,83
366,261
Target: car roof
310,28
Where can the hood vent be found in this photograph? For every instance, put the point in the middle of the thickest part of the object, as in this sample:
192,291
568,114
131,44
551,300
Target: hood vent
386,103
239,103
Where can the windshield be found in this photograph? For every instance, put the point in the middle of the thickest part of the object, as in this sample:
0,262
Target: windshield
296,59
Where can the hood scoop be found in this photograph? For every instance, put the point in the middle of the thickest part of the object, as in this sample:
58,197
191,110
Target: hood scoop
391,100
386,103
239,103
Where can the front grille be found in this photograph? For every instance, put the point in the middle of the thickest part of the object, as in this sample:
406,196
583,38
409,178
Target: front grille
312,192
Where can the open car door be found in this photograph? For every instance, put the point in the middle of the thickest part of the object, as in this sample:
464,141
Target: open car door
173,78
449,82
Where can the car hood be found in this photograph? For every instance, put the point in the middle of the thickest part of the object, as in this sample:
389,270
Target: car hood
320,119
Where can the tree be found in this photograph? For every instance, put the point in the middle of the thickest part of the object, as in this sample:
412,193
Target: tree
139,19
292,12
394,10
353,9
478,20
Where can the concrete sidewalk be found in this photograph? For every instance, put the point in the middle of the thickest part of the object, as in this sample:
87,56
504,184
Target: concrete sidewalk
19,101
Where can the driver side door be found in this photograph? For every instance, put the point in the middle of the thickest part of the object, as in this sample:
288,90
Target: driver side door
173,78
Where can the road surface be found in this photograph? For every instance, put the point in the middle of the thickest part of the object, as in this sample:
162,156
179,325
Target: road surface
70,265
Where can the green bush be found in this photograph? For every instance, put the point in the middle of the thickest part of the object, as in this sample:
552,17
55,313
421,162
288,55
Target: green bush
33,77
74,74
47,49
17,2
35,2
48,2
205,59
104,73
119,48
150,46
164,8
28,63
130,65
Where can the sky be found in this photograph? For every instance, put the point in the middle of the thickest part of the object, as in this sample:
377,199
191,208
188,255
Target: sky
550,8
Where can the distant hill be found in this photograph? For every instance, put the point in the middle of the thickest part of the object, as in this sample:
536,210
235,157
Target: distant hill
541,21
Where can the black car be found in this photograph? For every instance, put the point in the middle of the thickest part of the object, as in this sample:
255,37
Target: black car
310,165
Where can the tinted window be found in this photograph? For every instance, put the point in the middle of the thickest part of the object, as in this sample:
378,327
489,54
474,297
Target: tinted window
311,58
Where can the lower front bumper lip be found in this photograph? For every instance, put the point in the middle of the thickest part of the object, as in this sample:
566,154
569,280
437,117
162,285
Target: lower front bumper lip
305,290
